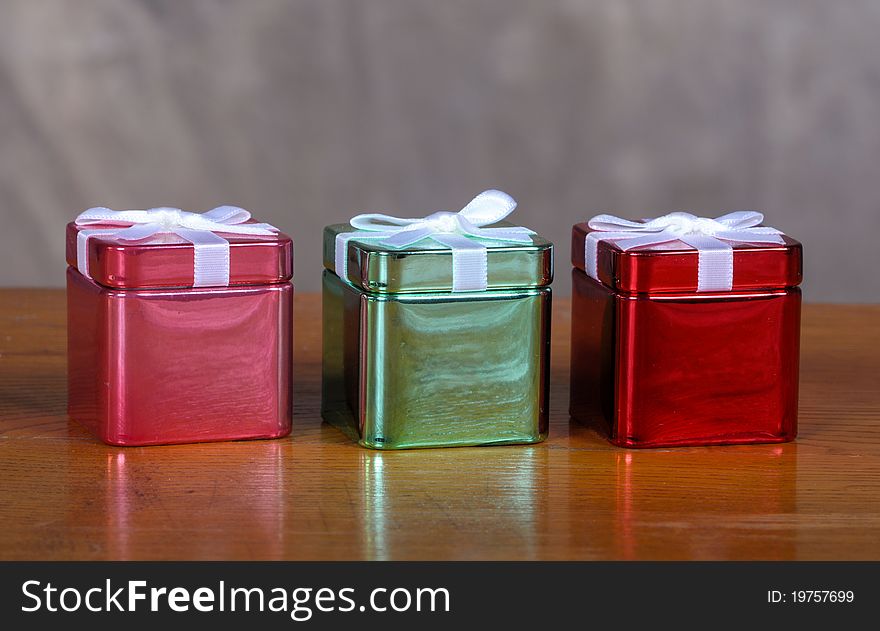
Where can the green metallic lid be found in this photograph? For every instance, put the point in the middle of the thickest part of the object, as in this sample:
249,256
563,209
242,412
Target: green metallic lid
426,265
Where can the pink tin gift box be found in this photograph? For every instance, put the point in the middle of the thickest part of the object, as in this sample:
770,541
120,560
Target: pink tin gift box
171,341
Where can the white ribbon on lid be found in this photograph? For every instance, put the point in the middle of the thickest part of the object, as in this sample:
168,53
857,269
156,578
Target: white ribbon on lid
211,251
710,237
454,230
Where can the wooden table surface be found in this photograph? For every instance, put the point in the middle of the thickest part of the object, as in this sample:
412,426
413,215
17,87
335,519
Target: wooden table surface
316,495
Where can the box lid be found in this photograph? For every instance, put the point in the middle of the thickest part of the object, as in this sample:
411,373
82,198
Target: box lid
673,266
167,260
426,266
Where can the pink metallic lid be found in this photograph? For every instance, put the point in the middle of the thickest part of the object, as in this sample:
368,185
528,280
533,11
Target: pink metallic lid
166,260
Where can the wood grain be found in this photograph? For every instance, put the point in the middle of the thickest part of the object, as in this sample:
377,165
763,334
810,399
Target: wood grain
316,495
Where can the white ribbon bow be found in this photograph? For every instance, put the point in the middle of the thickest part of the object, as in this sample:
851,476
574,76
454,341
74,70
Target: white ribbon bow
211,251
454,230
710,237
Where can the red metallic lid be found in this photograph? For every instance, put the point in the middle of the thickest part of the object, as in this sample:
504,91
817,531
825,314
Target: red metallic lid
672,266
166,260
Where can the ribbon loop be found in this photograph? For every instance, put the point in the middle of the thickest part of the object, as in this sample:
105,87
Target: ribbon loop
211,251
456,231
711,238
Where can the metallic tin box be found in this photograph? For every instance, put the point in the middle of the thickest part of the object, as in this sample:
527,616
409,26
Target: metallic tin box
153,360
658,363
409,363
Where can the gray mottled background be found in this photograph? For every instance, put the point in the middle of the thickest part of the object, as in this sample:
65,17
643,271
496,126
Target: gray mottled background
309,111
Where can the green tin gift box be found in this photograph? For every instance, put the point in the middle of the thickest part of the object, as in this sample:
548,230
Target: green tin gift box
408,362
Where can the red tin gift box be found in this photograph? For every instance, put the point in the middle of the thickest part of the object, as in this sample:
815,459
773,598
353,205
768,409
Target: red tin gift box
154,360
658,363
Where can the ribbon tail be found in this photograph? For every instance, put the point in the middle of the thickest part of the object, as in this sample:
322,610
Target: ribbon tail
517,235
470,262
610,223
264,228
408,236
752,235
256,229
632,241
233,225
137,232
